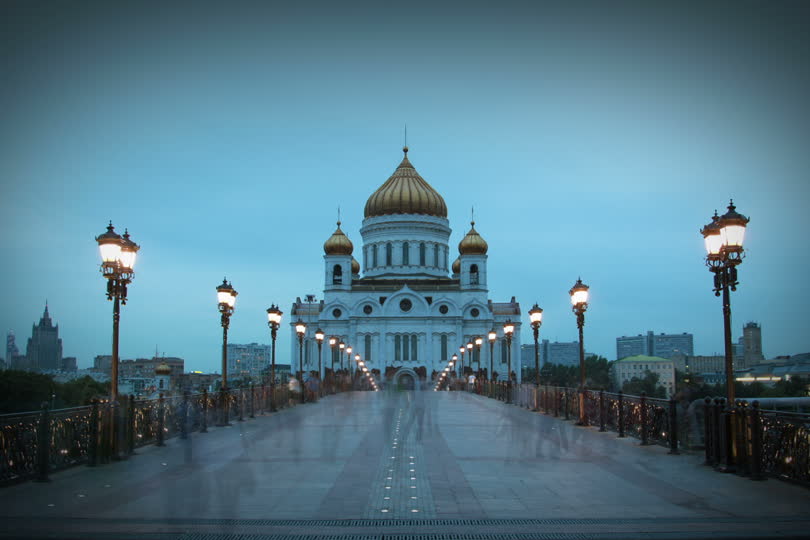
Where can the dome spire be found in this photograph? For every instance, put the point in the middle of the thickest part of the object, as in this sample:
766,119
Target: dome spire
472,243
405,192
338,243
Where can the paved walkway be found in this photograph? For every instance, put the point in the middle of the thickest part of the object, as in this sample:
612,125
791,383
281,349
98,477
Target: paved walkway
406,465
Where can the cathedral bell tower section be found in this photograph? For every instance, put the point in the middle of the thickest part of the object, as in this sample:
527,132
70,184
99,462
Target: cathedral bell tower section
339,265
472,261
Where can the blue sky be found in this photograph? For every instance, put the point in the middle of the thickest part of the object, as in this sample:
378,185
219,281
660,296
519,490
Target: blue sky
592,140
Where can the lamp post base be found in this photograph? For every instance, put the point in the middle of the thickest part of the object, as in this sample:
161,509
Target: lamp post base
223,410
583,418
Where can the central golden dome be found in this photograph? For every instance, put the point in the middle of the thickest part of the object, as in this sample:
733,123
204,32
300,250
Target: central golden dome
405,193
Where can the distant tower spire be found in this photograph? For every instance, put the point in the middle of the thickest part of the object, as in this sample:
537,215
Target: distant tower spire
338,221
472,215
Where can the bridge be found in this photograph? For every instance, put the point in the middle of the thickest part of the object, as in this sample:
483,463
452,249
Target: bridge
393,464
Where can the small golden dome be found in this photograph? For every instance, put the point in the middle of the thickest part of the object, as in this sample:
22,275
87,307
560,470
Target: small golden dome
163,369
405,192
473,244
355,266
456,268
338,243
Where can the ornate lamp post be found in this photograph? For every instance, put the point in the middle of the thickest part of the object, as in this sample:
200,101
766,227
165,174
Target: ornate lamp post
348,360
341,346
301,330
226,300
492,337
274,321
319,335
579,300
453,362
508,332
462,350
536,318
118,256
724,251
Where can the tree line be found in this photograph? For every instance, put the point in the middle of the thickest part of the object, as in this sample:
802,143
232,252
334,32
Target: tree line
22,391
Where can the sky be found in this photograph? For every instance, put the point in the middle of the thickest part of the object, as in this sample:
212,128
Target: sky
593,139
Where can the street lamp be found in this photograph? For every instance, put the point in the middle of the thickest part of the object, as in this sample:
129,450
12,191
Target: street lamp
319,336
226,300
453,362
301,329
274,321
348,360
341,346
508,331
462,350
724,251
118,256
579,301
536,318
492,337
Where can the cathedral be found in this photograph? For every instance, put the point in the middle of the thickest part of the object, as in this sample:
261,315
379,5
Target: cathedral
407,310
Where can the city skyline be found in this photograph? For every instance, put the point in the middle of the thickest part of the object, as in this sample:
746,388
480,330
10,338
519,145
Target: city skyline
592,141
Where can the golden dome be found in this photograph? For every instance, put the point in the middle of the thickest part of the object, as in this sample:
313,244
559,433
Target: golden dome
163,369
456,268
338,243
405,192
355,266
473,244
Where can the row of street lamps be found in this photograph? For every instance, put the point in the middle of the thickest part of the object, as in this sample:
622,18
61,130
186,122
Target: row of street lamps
723,237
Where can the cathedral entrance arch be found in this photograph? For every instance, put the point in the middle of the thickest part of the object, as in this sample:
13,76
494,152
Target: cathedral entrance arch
405,379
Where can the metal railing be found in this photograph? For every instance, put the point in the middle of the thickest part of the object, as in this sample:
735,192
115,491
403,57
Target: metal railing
743,439
35,444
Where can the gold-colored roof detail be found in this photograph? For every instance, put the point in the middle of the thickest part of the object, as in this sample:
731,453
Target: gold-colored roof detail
456,267
355,266
473,244
163,369
405,192
338,243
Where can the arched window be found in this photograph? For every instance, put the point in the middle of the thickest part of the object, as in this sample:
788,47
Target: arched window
367,343
406,256
397,350
337,275
374,256
473,274
436,255
389,253
444,356
422,254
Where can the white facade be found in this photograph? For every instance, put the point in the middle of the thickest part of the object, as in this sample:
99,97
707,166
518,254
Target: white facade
637,366
405,309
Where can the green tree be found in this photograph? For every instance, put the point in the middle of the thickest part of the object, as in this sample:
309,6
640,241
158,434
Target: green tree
648,384
80,391
22,391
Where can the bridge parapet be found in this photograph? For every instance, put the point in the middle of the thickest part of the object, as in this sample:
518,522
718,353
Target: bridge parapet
743,438
37,443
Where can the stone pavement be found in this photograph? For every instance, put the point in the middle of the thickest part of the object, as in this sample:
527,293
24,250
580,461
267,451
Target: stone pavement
406,465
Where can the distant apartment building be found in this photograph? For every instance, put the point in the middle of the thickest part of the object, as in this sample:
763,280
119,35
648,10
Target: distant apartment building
699,364
565,353
247,360
751,342
637,366
11,349
103,363
145,367
69,363
659,345
44,349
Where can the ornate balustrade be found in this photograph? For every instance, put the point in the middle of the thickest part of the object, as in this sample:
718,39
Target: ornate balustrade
34,444
742,439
